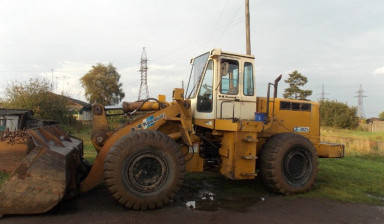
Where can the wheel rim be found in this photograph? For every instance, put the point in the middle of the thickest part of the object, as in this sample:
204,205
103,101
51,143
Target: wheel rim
297,167
146,172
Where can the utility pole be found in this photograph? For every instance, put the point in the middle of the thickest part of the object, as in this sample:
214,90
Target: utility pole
56,85
143,92
360,95
247,28
52,80
322,98
63,89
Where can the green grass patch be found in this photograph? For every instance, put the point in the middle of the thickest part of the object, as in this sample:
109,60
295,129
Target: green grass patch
89,151
351,179
372,136
357,143
3,177
355,179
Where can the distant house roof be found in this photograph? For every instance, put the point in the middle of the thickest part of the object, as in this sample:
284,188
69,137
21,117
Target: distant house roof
369,120
76,104
82,103
4,111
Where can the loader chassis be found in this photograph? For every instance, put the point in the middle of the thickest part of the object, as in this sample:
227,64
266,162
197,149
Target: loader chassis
218,124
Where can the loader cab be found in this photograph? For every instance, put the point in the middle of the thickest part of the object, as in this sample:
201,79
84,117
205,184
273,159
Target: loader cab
221,86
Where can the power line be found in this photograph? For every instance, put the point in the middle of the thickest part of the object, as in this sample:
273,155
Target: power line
217,21
228,24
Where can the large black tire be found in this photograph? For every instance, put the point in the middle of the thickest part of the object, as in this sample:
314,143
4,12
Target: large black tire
288,164
144,170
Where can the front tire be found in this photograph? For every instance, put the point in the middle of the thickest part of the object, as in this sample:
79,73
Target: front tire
289,164
144,170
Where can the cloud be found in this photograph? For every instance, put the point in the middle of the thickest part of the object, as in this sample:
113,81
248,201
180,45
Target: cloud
379,71
162,67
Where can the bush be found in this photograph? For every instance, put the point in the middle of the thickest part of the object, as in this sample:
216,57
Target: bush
36,95
338,115
381,116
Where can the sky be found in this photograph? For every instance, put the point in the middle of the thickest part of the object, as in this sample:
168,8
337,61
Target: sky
338,44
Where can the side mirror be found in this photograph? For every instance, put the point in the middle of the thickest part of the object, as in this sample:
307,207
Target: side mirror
224,68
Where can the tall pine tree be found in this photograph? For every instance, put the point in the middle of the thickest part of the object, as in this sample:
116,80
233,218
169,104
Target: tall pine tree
295,81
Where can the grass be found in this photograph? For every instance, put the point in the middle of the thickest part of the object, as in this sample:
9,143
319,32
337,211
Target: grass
3,177
89,151
359,177
357,143
351,179
327,131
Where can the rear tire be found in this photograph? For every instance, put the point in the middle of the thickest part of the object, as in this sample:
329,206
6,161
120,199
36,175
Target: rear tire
288,164
144,170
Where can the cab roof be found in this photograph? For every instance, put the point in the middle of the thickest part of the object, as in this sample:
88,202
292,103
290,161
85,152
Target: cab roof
219,52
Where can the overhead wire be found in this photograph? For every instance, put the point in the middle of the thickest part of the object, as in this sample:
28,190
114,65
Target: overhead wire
217,21
228,24
199,45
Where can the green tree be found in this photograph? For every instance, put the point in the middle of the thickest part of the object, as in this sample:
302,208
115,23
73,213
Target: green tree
295,81
381,116
36,95
102,85
338,115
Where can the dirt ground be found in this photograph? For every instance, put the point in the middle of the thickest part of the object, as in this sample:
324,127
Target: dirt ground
97,206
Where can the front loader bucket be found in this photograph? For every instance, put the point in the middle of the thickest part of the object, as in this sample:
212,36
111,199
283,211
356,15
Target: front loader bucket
50,171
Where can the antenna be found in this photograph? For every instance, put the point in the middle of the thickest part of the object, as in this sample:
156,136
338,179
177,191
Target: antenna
143,92
360,95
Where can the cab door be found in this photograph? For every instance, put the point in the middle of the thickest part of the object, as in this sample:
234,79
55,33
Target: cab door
236,97
228,99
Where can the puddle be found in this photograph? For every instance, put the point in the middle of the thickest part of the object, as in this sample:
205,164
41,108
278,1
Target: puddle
218,193
204,201
381,198
212,203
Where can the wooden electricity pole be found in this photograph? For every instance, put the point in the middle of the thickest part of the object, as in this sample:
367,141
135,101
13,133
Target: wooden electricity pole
247,28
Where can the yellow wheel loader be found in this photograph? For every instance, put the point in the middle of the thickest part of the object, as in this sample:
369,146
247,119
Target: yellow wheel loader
218,124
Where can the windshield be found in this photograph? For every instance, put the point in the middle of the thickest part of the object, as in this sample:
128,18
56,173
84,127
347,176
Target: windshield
196,72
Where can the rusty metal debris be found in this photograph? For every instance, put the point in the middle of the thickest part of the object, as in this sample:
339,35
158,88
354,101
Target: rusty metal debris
14,137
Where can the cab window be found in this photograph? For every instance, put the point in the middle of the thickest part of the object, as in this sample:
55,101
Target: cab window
248,80
229,72
204,99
